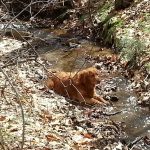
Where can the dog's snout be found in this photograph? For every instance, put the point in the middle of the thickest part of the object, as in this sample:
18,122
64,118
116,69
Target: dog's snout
98,79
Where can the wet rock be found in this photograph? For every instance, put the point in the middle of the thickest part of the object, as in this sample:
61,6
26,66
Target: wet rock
98,65
73,45
112,98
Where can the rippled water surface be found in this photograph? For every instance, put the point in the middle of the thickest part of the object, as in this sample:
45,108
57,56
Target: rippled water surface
135,118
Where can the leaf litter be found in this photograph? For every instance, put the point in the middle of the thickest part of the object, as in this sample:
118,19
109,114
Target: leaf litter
51,121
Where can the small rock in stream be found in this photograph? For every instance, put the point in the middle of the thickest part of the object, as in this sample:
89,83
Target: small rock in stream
112,98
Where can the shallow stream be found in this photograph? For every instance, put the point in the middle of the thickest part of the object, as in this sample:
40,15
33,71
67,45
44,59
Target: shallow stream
69,53
135,118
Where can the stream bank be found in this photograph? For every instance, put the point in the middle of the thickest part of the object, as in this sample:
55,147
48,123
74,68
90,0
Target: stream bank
59,123
69,54
84,54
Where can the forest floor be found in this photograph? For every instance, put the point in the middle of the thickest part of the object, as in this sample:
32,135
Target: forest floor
52,121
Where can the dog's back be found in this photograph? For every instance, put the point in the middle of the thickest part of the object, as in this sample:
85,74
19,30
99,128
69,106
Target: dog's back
77,86
60,82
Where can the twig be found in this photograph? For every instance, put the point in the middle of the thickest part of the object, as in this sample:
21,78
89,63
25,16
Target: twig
19,62
32,3
4,5
111,114
21,107
138,139
29,44
90,12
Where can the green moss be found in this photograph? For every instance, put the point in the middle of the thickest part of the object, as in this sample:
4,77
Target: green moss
119,23
109,30
116,29
144,23
132,50
104,11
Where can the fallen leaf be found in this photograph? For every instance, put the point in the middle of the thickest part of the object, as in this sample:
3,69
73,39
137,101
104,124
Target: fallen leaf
45,148
2,118
14,130
51,138
46,116
88,135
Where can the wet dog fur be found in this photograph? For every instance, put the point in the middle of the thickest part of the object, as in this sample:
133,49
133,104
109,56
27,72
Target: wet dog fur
78,86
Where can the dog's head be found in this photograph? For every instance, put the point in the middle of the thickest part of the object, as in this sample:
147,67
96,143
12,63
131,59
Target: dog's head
89,77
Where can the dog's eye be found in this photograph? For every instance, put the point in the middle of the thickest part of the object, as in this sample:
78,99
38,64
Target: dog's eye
92,75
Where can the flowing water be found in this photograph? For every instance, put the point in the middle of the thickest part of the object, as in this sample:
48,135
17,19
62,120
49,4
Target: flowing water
135,118
68,54
71,55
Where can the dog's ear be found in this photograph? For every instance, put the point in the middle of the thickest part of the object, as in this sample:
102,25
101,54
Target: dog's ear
92,73
83,77
92,77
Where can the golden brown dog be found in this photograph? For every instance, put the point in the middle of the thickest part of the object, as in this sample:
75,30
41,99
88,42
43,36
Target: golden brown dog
77,86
